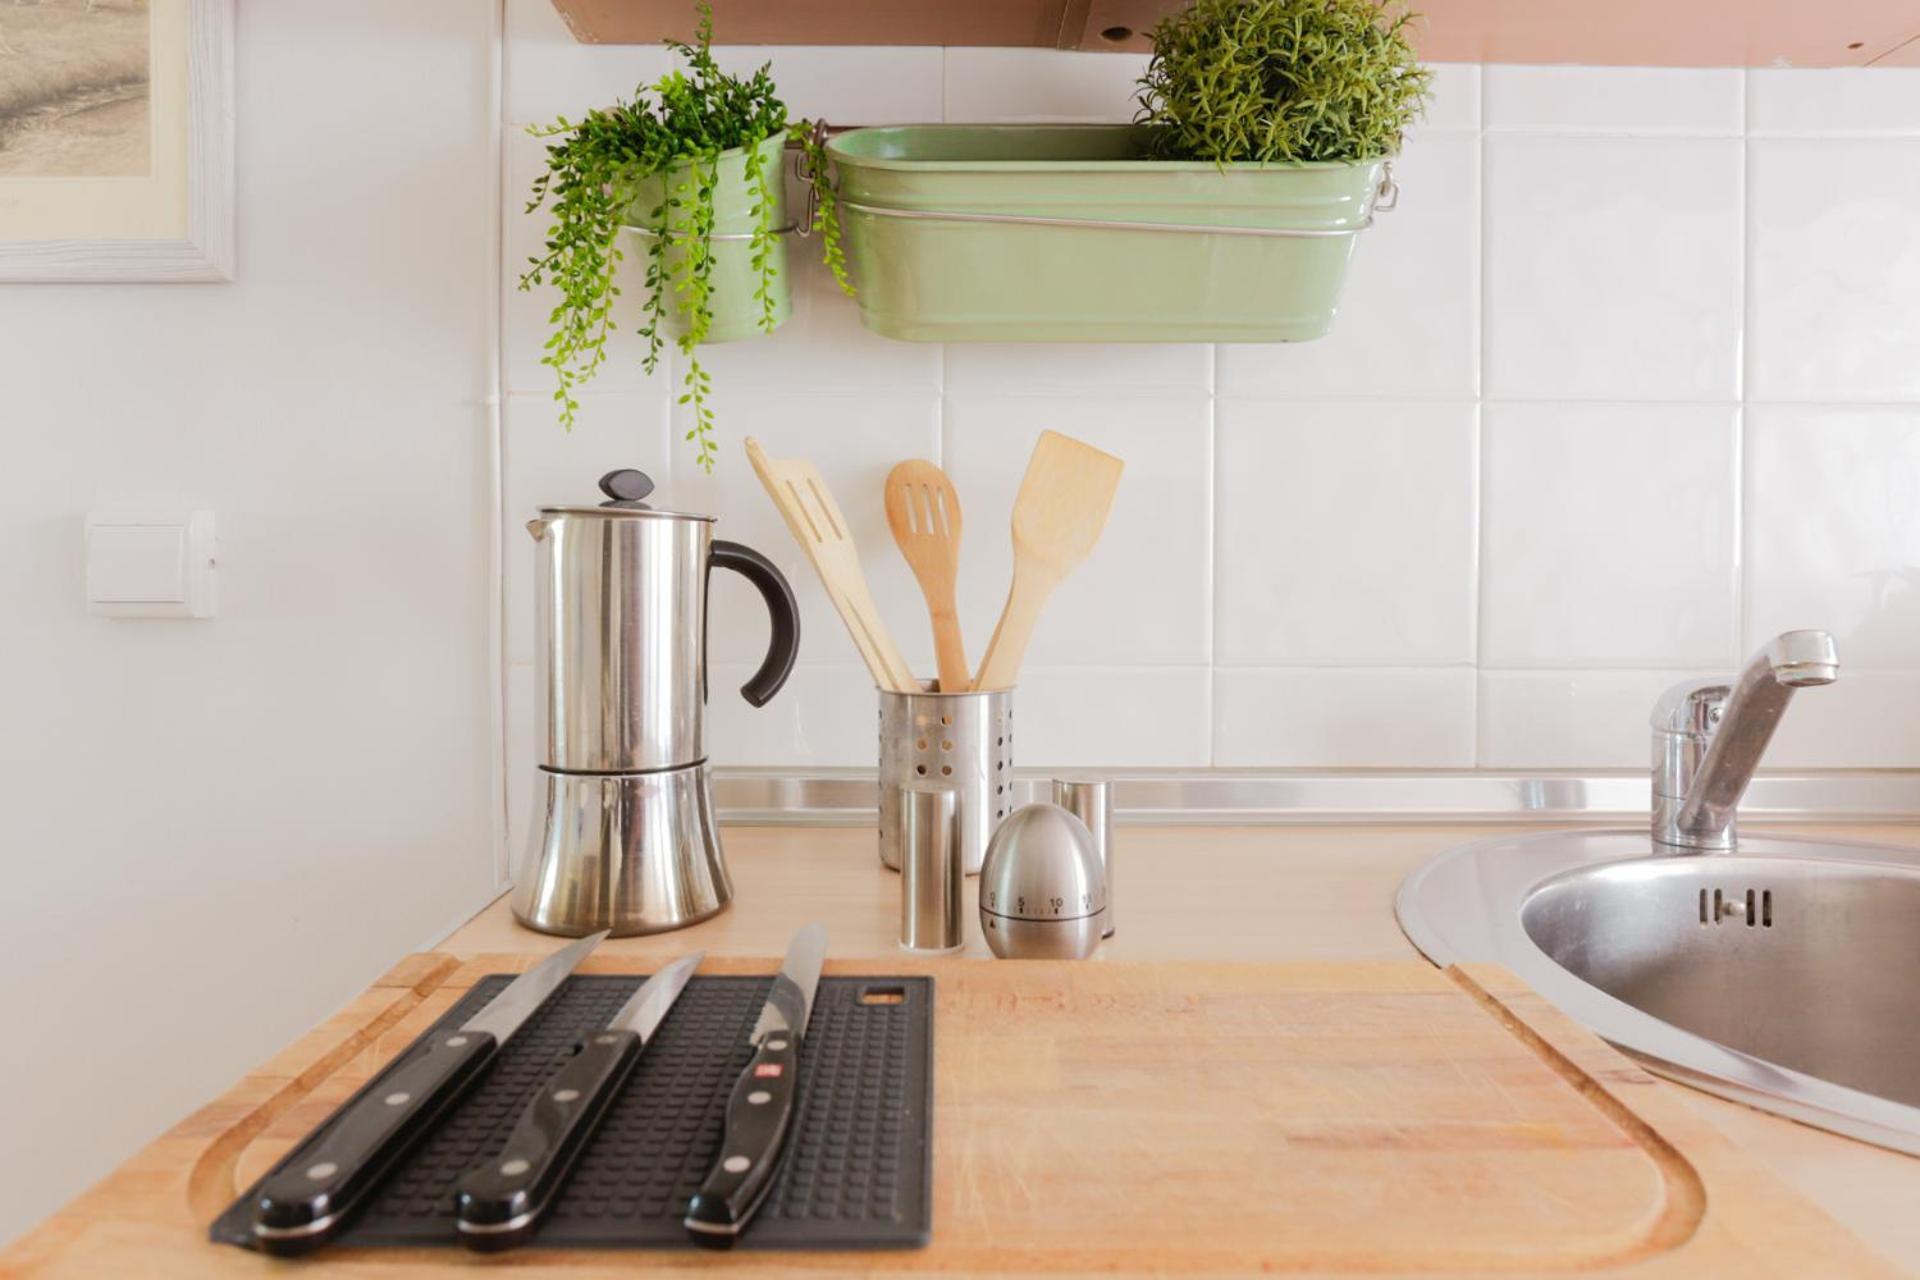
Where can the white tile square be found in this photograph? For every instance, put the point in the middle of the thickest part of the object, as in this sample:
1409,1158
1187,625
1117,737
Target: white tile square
1077,368
846,84
1833,530
1343,719
1454,102
854,440
1570,719
1608,536
826,716
1615,100
1835,288
1409,319
1143,596
1843,100
1094,717
549,74
1613,268
1041,86
543,464
1865,720
1345,533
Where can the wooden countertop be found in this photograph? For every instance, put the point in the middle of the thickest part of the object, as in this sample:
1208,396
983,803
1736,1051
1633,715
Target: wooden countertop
1289,894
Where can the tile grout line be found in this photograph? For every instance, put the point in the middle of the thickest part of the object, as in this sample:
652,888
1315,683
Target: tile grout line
499,460
1742,513
1482,369
1213,549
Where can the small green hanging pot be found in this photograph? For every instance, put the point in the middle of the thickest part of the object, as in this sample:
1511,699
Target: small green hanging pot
734,281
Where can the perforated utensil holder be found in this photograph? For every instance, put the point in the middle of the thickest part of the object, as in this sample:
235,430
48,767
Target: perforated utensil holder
958,742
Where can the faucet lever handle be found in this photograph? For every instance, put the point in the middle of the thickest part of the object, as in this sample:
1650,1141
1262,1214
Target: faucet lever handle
1710,736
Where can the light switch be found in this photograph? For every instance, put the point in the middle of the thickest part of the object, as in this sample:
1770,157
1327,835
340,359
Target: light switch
147,565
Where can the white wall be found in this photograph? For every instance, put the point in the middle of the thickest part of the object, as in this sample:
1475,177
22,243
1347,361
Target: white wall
217,832
1629,382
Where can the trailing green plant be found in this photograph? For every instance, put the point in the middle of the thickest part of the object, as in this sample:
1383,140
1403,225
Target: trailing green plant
1281,81
599,167
826,202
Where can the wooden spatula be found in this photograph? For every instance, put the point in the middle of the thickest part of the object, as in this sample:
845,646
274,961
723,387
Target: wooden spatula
923,510
815,521
1057,517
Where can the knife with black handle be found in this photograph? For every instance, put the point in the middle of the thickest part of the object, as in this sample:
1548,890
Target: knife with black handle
760,1109
499,1203
305,1201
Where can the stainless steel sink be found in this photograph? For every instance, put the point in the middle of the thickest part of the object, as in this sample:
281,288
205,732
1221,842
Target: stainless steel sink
1785,974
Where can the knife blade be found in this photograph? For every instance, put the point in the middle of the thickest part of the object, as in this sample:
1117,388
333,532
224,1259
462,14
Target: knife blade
760,1109
307,1199
497,1204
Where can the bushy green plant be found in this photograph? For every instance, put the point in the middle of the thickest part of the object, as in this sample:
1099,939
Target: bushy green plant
595,172
1281,80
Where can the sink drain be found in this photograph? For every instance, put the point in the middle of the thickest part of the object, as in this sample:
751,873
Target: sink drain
1752,908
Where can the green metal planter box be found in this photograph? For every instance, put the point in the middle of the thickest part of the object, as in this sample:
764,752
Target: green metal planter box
737,313
1064,233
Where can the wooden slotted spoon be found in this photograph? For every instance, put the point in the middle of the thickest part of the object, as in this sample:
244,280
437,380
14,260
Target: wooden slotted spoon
815,521
1057,517
923,510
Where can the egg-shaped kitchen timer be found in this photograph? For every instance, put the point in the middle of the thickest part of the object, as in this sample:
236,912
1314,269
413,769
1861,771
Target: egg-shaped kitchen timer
1043,892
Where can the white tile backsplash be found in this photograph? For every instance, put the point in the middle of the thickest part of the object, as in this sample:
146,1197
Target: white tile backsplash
1114,717
1454,101
1027,368
1613,268
1833,529
1615,100
1865,720
1569,719
1041,86
1835,276
1142,597
1343,718
1407,320
1345,533
1850,100
1608,535
1629,382
827,714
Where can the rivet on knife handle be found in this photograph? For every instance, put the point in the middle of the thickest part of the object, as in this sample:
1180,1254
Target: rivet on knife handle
497,1204
758,1115
302,1205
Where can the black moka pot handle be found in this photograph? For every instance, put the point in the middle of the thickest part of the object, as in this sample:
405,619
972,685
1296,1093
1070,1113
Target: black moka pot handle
784,645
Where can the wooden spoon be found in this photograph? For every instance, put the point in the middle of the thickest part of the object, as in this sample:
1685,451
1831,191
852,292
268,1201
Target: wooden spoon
1057,518
814,519
923,510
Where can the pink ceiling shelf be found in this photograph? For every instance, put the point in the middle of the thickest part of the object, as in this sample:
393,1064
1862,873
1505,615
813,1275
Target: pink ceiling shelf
1679,33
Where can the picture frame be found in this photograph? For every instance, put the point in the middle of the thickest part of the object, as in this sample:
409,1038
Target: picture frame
203,248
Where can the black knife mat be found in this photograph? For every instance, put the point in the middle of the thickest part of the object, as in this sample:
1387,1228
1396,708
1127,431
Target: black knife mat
857,1172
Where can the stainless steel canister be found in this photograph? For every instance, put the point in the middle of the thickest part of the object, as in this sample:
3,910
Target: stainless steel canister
930,873
958,742
1091,801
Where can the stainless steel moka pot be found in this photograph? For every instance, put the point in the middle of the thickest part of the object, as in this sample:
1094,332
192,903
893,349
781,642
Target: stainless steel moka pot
624,837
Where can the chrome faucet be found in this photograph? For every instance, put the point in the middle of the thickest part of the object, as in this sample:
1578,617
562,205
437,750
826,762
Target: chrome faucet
1709,735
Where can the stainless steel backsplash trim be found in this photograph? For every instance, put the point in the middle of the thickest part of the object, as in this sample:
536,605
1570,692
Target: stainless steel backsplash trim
848,797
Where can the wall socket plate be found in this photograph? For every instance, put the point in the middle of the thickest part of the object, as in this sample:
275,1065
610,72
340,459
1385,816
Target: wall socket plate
151,564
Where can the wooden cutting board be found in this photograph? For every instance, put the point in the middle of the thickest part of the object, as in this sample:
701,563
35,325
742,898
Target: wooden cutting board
1319,1119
